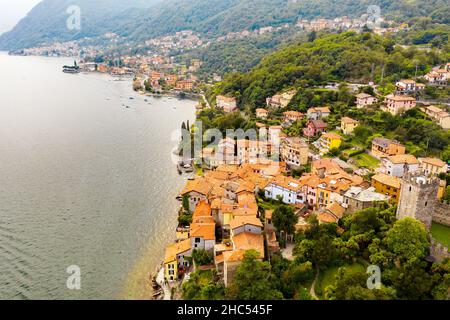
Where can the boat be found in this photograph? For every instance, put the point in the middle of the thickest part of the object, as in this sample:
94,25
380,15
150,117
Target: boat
72,69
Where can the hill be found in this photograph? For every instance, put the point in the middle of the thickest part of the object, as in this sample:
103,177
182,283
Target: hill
144,19
337,57
46,22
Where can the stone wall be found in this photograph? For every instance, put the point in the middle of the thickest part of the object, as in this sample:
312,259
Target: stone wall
442,214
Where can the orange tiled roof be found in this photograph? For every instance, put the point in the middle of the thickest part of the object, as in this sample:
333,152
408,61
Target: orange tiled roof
240,221
203,209
199,185
336,209
349,120
249,241
176,248
326,217
332,136
207,231
245,212
433,161
387,180
403,158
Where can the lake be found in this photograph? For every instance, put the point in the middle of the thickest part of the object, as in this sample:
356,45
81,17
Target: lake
84,181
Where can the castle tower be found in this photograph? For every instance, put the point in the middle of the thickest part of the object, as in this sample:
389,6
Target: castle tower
418,198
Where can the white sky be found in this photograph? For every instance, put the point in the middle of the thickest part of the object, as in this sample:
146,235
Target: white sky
11,11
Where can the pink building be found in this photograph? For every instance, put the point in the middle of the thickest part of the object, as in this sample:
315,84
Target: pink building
314,128
398,104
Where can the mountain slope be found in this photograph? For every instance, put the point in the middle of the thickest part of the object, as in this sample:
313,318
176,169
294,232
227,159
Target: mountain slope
139,20
46,22
335,57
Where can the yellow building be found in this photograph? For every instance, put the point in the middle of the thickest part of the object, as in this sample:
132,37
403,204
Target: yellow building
348,125
441,190
174,260
387,185
432,166
330,141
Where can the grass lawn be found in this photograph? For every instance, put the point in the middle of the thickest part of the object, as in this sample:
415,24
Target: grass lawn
327,277
441,233
367,161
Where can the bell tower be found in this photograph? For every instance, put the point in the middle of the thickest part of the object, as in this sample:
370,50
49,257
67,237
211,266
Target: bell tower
418,198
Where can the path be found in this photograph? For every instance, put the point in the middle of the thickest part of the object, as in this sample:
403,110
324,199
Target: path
163,284
312,291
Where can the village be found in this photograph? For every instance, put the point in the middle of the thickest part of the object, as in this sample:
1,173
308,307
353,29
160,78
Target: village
229,204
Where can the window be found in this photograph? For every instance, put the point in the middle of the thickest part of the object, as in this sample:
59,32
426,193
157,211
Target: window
197,240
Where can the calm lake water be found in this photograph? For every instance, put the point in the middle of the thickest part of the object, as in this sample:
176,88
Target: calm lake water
83,181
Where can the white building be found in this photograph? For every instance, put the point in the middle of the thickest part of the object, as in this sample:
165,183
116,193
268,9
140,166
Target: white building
398,165
287,189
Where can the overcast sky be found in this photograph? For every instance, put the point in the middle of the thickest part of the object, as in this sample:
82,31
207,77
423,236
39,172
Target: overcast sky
11,11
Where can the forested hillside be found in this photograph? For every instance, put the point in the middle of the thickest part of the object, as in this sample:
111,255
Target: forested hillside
336,57
142,19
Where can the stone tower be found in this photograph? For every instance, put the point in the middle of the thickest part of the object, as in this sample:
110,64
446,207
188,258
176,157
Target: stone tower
418,198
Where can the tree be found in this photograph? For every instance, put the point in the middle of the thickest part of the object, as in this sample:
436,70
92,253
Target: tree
253,280
353,286
407,241
185,201
202,257
203,285
284,220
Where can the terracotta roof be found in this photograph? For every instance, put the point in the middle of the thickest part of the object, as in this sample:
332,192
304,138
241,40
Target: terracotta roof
325,163
207,231
332,136
400,98
326,217
318,124
364,95
240,221
286,183
403,158
319,109
246,200
227,99
177,248
219,259
261,110
348,120
433,161
234,256
245,212
199,185
435,109
387,180
249,241
203,209
336,209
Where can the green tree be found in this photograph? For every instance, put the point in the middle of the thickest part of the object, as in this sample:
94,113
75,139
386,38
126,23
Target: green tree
253,280
284,219
408,241
202,257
